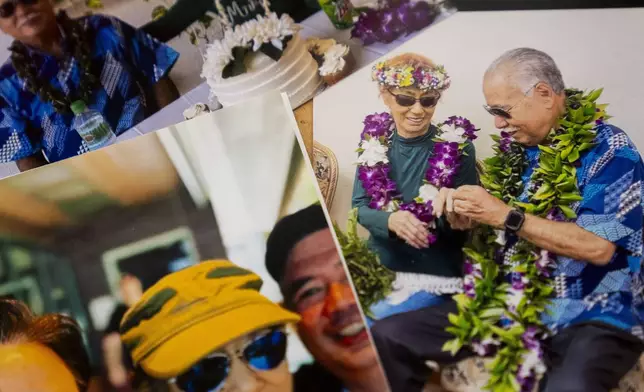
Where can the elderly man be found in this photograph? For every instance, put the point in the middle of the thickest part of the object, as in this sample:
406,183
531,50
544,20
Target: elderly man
60,65
302,257
596,307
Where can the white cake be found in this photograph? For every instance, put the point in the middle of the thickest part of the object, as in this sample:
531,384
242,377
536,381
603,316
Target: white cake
295,73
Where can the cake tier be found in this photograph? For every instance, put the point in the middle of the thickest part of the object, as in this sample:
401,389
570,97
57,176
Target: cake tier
296,73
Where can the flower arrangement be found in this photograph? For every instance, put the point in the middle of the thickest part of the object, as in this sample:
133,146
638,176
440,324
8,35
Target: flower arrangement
508,285
372,280
334,59
373,171
394,19
268,34
406,76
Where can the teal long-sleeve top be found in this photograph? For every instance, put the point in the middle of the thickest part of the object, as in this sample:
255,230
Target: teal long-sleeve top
409,161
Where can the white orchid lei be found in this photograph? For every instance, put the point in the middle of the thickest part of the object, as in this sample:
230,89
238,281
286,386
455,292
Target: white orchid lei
268,34
443,164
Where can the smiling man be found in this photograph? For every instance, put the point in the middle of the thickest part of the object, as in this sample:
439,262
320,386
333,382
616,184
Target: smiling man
113,68
589,253
303,258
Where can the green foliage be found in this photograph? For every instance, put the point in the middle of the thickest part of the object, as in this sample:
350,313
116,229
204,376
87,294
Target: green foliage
372,281
556,190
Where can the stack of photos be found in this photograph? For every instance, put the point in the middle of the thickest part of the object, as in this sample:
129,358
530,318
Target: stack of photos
321,196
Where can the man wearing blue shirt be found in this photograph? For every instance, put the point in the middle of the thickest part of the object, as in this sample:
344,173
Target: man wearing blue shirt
597,305
114,68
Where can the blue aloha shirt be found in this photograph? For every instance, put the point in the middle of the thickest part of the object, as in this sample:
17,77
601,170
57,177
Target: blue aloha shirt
610,180
118,49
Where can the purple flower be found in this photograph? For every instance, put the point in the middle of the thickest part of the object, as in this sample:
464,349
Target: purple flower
505,142
391,26
467,126
366,27
395,19
422,15
519,281
545,263
377,125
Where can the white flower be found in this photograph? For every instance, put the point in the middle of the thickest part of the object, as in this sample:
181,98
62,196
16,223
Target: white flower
451,133
218,55
500,237
334,59
427,192
374,153
531,361
391,206
514,297
336,51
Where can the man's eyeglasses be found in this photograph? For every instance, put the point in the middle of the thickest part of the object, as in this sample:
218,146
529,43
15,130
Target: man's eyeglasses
8,8
265,352
505,113
407,100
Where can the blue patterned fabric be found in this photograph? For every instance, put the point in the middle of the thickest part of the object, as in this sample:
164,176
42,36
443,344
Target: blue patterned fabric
418,300
28,125
610,180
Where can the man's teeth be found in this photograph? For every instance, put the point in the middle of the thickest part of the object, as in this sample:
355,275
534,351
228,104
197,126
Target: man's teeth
351,329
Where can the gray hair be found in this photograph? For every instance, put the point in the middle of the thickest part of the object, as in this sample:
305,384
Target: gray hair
527,67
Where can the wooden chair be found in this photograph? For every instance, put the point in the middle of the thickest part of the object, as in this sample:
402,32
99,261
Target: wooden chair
325,166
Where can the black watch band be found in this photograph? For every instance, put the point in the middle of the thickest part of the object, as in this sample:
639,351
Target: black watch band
514,221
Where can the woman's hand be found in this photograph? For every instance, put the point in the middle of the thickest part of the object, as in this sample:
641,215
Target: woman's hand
444,204
409,228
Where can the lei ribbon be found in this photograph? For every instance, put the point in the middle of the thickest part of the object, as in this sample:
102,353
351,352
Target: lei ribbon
506,292
374,168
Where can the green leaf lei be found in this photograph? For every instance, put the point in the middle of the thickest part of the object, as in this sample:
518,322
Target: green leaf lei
372,280
501,318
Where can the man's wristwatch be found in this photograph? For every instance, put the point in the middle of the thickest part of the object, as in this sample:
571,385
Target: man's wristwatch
514,221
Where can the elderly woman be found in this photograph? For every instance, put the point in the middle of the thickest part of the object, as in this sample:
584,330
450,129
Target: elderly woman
424,252
207,328
44,354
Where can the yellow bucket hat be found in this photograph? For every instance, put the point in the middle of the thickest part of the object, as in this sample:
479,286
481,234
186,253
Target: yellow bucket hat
190,313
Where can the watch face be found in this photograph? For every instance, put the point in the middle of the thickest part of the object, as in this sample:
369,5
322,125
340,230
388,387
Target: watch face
514,220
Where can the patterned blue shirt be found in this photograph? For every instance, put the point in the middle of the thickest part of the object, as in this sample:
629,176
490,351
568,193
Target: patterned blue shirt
610,180
120,53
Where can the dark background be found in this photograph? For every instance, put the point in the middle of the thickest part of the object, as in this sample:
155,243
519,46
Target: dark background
499,5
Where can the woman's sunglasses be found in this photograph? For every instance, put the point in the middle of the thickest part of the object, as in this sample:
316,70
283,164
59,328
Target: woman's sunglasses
407,100
8,8
264,352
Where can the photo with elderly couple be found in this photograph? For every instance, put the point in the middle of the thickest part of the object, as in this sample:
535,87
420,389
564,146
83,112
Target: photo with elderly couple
192,271
508,265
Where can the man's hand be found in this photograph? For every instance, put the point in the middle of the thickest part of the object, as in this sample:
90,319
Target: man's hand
444,204
409,228
477,204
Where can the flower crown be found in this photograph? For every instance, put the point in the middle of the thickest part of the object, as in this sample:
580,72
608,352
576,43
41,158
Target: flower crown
424,78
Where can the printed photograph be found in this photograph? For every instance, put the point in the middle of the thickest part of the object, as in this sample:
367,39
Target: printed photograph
485,181
79,75
197,258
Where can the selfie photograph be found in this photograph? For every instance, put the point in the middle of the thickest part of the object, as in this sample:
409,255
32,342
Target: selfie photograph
181,260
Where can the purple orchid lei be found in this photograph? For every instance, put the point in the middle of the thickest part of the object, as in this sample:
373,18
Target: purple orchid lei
444,162
393,20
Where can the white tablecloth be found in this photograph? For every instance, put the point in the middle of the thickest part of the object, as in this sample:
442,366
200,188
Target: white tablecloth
317,25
